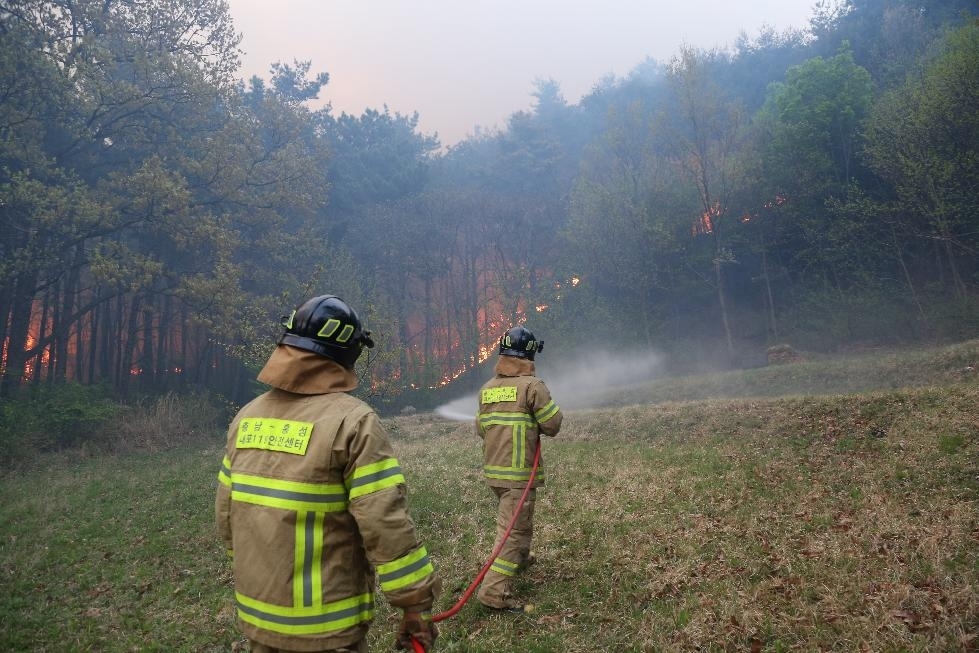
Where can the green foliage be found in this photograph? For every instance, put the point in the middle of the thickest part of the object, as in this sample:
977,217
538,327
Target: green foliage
90,418
157,217
923,144
47,417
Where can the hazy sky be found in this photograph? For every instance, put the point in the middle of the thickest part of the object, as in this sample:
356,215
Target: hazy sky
467,63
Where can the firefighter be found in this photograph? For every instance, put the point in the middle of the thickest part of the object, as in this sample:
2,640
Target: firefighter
515,407
311,500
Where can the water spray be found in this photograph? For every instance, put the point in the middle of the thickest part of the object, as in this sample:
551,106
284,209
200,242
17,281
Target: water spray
581,382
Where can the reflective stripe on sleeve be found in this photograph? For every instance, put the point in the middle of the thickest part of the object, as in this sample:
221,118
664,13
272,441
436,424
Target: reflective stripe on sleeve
376,476
549,410
406,570
224,474
325,618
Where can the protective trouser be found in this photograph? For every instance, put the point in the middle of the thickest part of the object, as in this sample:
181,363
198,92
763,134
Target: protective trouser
497,588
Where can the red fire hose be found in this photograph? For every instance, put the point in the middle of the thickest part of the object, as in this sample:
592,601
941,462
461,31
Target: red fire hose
451,612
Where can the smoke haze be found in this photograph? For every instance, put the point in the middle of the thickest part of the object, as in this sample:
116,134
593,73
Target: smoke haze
587,381
463,65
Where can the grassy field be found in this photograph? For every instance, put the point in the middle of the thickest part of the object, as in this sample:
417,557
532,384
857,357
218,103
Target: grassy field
810,522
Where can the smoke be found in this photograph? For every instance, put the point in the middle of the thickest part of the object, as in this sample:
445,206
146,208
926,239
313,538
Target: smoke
586,381
462,409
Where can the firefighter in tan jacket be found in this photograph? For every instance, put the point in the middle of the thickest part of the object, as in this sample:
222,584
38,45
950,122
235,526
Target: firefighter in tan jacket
515,408
311,500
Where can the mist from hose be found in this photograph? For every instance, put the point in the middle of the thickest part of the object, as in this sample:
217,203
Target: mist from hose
585,381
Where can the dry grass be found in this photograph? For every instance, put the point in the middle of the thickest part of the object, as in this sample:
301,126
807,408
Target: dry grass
836,523
163,423
817,523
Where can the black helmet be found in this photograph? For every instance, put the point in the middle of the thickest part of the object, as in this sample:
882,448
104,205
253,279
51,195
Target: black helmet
326,325
520,342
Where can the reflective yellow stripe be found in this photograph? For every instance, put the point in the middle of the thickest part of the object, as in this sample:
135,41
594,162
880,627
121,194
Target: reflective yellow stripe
316,561
504,567
307,576
511,473
519,423
519,439
298,557
549,410
224,474
288,620
505,419
288,495
376,476
329,328
405,570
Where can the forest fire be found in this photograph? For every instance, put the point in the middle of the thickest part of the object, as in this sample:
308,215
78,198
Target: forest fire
704,225
35,363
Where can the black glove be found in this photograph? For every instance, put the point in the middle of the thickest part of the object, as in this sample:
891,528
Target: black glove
417,625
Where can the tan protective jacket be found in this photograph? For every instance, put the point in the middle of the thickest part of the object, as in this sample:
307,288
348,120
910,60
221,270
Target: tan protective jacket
311,501
515,407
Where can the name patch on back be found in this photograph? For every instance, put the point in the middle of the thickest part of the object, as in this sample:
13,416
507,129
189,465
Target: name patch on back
505,393
272,434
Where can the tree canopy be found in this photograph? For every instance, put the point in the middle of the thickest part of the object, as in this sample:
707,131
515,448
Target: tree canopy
158,215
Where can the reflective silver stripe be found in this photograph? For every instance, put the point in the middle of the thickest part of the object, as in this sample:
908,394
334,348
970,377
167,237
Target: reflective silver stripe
224,474
376,476
519,423
505,419
547,412
518,458
505,567
510,473
361,611
309,550
289,495
407,569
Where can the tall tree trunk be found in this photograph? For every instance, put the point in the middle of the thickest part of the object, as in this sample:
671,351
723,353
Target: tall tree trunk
164,335
45,333
19,312
958,284
95,348
82,345
63,328
899,254
431,367
122,378
770,296
108,339
722,301
147,363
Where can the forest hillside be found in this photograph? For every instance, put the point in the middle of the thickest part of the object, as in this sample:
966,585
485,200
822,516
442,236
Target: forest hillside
158,215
